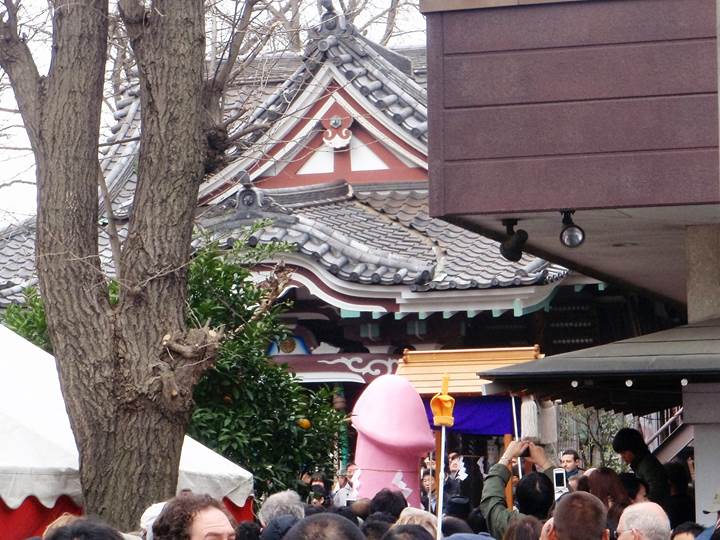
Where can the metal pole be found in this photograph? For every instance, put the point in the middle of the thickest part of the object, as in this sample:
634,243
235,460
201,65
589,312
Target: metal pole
441,487
517,436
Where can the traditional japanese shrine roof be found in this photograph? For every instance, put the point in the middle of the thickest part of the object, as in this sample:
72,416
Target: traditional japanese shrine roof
380,235
348,235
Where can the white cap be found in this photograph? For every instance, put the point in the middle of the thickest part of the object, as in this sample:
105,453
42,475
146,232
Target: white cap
148,518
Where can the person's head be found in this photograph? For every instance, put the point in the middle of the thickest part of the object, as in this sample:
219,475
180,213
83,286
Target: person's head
193,517
345,477
278,504
686,531
324,526
630,444
66,518
579,516
388,501
374,529
458,506
636,488
678,477
605,484
247,530
311,510
454,462
278,527
407,532
570,460
317,496
526,528
643,521
535,495
148,517
361,508
454,525
346,512
415,516
428,481
83,529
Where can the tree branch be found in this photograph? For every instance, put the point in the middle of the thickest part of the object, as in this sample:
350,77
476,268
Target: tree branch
390,22
17,61
247,130
240,26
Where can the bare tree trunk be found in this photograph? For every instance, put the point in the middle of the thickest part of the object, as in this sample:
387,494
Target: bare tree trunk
127,370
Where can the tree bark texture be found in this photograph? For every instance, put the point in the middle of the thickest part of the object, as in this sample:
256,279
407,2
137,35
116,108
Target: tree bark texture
127,370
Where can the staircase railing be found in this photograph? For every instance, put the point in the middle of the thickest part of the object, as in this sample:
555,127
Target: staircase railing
666,430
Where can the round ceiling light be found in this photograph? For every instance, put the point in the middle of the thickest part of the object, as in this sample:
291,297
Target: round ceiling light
571,236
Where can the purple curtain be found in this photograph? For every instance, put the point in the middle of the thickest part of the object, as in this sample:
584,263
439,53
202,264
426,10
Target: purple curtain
490,415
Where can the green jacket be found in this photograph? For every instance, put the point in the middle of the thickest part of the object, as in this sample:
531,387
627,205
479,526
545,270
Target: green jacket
648,468
492,503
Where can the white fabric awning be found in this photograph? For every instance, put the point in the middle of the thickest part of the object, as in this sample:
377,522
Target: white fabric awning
38,455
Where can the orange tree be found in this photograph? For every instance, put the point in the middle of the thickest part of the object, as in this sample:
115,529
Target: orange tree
247,407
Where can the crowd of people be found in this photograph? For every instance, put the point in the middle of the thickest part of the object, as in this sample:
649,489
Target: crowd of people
651,503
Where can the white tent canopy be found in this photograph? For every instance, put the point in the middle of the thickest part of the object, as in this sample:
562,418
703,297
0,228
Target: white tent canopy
38,455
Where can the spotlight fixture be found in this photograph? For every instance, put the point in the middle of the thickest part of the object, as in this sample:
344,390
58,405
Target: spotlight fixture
571,235
512,247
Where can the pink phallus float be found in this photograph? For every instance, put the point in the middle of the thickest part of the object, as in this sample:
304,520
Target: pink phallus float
393,434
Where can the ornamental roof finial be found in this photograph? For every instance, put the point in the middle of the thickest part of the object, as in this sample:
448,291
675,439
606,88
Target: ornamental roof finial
330,20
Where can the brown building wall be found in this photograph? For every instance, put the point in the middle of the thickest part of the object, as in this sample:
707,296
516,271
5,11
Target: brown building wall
605,103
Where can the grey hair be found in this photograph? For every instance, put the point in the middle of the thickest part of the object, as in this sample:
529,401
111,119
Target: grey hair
647,518
281,503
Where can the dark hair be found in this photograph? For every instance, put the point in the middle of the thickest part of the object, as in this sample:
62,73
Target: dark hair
678,476
571,452
346,512
374,529
85,529
381,516
385,500
526,528
535,494
278,527
477,521
408,532
175,520
452,525
247,530
629,439
632,484
579,516
458,506
687,527
311,510
325,526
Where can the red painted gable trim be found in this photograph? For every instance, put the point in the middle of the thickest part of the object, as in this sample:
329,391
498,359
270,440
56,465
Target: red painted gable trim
398,171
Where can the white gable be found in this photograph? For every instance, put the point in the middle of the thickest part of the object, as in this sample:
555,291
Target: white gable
322,161
362,157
